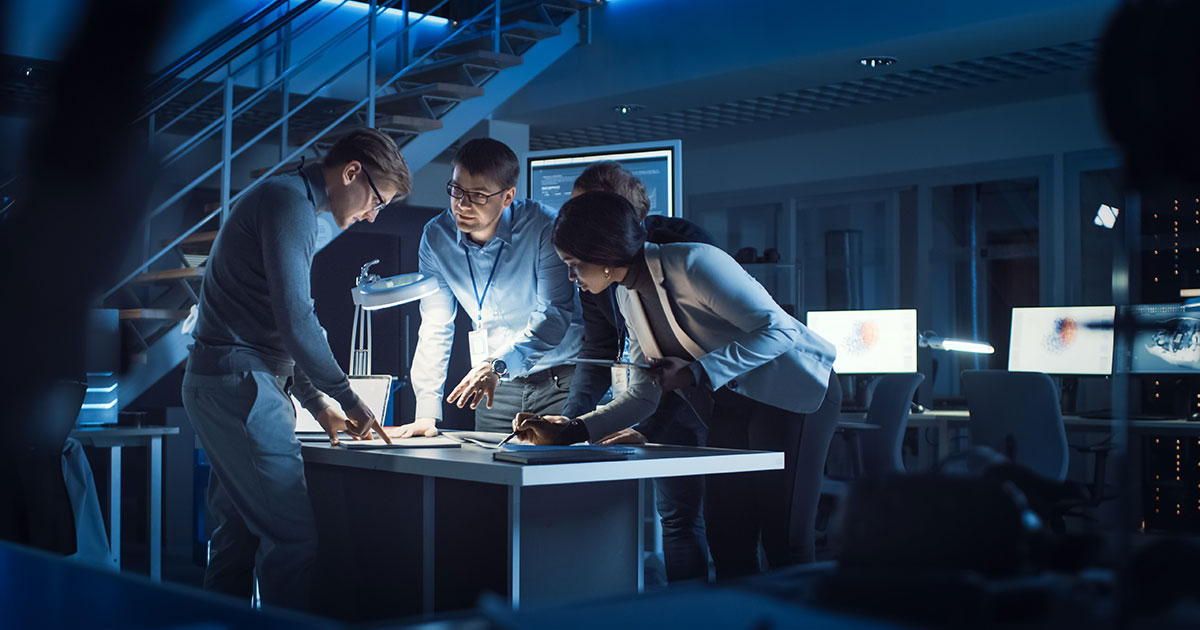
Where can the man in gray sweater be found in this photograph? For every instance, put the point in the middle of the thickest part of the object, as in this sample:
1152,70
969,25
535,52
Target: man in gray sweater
257,338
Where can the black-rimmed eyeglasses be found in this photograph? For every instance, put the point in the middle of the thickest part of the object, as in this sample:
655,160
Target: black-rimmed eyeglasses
382,204
476,198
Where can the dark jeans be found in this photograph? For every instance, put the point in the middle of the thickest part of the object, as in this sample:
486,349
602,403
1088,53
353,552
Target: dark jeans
680,500
743,509
543,392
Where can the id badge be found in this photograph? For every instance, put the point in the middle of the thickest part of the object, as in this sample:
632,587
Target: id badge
478,342
620,380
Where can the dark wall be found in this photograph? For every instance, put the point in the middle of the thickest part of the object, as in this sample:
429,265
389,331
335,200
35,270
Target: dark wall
393,239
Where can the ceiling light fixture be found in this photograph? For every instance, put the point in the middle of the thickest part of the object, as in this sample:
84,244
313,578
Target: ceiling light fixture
877,61
626,109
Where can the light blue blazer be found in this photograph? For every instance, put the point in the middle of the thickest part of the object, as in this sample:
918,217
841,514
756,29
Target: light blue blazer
729,323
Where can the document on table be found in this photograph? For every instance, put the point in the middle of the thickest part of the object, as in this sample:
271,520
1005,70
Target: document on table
412,442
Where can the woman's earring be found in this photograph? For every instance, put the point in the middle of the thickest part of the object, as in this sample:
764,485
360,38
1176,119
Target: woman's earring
606,274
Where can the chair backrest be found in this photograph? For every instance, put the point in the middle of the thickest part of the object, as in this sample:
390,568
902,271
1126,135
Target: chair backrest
889,409
1017,414
812,450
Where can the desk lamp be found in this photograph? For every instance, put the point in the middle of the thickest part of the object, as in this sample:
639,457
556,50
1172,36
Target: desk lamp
930,339
371,293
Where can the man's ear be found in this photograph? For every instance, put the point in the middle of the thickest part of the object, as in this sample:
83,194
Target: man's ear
509,195
350,171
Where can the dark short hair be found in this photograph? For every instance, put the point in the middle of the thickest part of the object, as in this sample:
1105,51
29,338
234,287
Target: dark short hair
378,153
610,176
485,157
601,228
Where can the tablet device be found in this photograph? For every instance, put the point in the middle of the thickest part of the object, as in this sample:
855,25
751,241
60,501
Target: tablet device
412,442
558,456
607,363
373,390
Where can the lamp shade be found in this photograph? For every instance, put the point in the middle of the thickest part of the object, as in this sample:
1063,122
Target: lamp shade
393,291
930,339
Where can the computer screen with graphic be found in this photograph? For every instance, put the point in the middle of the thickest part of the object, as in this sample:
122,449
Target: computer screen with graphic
869,342
658,165
1062,340
1166,340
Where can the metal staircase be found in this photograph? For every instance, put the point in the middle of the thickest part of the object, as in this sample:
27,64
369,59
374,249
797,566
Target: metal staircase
242,97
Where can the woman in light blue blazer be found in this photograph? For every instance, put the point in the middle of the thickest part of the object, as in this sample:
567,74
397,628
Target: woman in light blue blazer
715,336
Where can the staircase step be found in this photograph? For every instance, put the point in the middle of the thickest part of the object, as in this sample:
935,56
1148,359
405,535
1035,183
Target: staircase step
169,275
523,29
408,102
450,70
402,125
200,238
166,314
559,10
290,167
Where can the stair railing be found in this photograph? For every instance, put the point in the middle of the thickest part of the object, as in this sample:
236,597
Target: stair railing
229,112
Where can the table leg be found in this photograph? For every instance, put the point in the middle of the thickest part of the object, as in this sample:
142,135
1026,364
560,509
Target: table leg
597,526
155,508
428,534
943,438
514,545
114,505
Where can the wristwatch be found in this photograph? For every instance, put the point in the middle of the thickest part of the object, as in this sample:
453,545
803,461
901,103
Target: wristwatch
499,367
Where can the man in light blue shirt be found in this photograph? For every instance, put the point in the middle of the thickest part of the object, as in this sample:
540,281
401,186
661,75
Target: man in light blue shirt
492,256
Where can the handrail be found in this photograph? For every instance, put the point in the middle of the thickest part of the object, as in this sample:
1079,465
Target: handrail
264,54
281,78
211,44
258,96
200,136
236,52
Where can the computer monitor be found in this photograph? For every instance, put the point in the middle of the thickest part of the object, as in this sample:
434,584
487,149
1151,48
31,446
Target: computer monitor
375,391
869,342
1062,340
1166,340
659,165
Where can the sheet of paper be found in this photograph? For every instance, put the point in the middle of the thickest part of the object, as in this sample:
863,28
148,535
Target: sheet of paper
413,442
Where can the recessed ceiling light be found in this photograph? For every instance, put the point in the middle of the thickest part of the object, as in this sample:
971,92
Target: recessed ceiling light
877,61
627,108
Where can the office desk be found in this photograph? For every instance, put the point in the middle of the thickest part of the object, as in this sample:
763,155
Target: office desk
450,523
946,422
114,438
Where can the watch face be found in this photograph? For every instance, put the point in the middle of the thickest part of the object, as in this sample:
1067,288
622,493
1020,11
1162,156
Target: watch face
499,366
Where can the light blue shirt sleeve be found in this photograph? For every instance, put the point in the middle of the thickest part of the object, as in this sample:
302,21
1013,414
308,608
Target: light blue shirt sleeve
435,338
766,332
556,305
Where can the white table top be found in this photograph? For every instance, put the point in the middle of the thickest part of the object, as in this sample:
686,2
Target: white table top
474,463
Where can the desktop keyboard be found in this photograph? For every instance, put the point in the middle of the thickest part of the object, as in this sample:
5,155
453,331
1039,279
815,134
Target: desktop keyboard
1107,414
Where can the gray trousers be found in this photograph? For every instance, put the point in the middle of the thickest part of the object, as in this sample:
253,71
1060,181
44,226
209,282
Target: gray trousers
543,393
257,497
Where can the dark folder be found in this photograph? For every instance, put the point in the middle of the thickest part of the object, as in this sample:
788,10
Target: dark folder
558,456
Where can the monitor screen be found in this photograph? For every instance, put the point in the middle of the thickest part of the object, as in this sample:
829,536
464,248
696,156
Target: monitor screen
869,342
1166,340
1062,340
374,390
658,165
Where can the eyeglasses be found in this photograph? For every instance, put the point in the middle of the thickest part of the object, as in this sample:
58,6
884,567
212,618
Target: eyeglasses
379,206
476,198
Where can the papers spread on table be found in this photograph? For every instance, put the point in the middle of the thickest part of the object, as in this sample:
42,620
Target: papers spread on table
412,442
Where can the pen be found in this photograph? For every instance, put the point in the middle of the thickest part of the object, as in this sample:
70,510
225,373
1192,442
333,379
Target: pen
505,440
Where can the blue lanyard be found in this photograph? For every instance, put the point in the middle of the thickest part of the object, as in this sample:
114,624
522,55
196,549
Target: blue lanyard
618,321
479,298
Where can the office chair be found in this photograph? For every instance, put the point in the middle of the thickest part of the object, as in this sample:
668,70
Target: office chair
1017,414
810,469
879,450
889,409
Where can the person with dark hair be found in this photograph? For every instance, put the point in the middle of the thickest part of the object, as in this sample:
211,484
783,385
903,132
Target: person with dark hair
257,338
706,324
679,499
491,254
